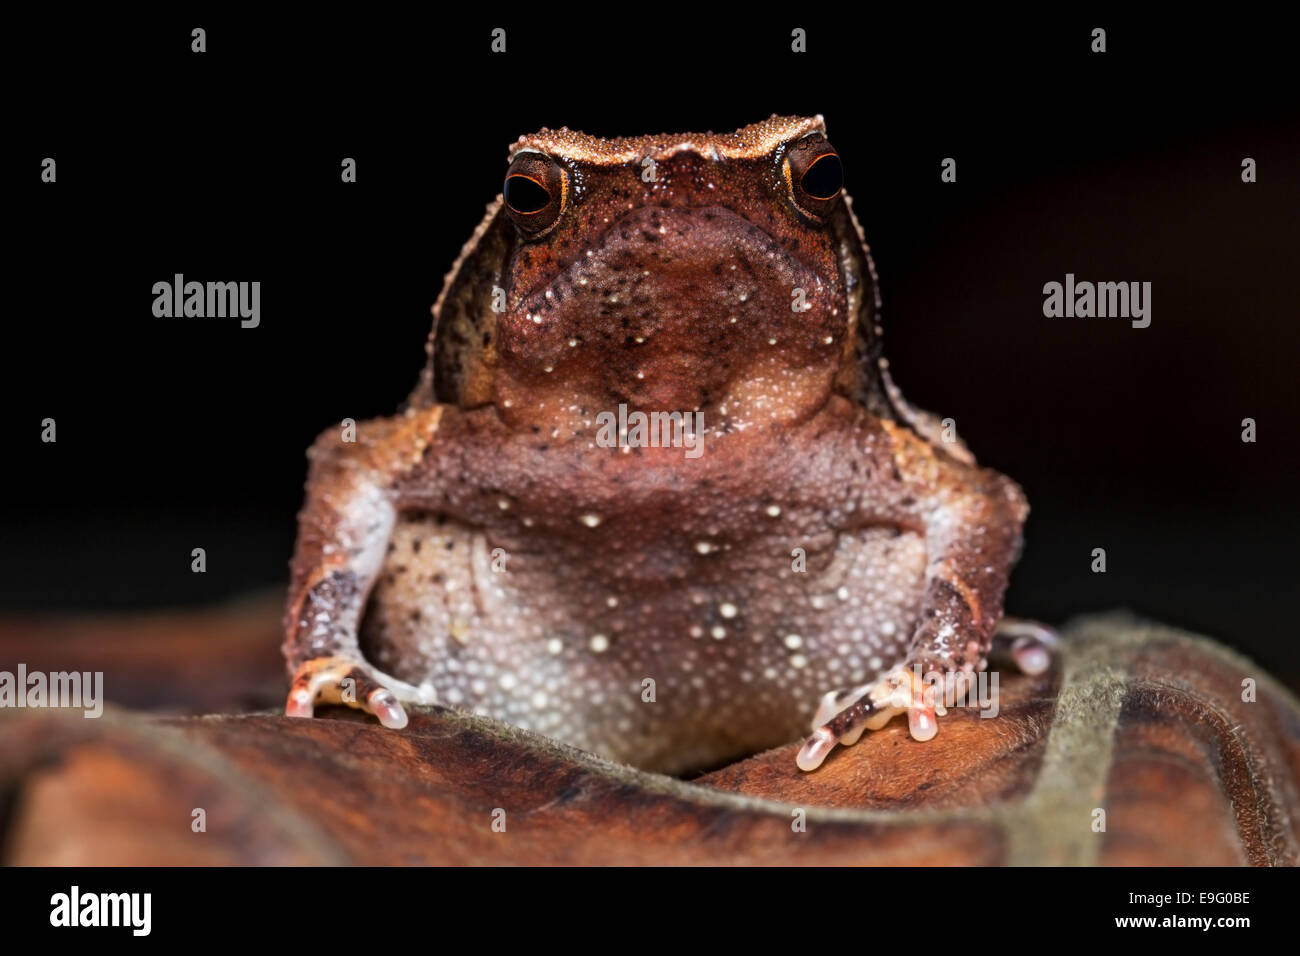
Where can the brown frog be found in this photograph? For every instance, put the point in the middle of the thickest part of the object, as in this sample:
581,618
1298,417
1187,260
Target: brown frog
790,542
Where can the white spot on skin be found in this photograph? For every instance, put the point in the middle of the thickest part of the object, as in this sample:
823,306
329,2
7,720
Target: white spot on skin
590,520
599,643
705,547
554,646
508,681
793,641
773,511
719,632
727,610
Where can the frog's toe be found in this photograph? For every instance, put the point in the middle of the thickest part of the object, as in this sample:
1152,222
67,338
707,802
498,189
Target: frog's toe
843,716
1028,644
815,749
340,680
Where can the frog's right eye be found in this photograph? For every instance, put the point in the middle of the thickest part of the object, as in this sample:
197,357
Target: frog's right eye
535,191
814,176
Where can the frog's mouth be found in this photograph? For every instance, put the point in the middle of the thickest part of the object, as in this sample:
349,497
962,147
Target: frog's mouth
706,240
660,269
671,306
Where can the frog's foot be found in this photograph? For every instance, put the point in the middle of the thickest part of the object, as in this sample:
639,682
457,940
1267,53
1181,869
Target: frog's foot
843,716
343,680
1028,644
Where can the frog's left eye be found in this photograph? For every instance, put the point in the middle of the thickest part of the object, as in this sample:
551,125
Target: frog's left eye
814,176
535,191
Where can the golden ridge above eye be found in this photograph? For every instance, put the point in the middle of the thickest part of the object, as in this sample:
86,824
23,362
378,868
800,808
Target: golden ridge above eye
814,176
535,192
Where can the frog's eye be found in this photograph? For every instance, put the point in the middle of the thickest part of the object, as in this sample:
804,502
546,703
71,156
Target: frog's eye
813,175
535,192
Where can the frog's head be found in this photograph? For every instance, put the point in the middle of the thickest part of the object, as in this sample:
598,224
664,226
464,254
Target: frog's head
672,272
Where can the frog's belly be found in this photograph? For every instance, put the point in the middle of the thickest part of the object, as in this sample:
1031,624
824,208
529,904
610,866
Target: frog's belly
668,675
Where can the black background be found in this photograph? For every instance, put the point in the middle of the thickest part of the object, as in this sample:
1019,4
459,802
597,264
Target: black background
1124,166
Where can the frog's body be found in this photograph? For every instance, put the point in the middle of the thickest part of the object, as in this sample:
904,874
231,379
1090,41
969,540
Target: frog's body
672,607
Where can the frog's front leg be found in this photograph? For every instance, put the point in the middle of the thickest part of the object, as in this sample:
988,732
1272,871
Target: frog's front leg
343,534
971,519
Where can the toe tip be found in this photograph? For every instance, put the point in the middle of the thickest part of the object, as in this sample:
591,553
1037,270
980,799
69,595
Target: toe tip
815,749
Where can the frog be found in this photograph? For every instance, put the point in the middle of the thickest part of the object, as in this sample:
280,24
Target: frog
790,561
